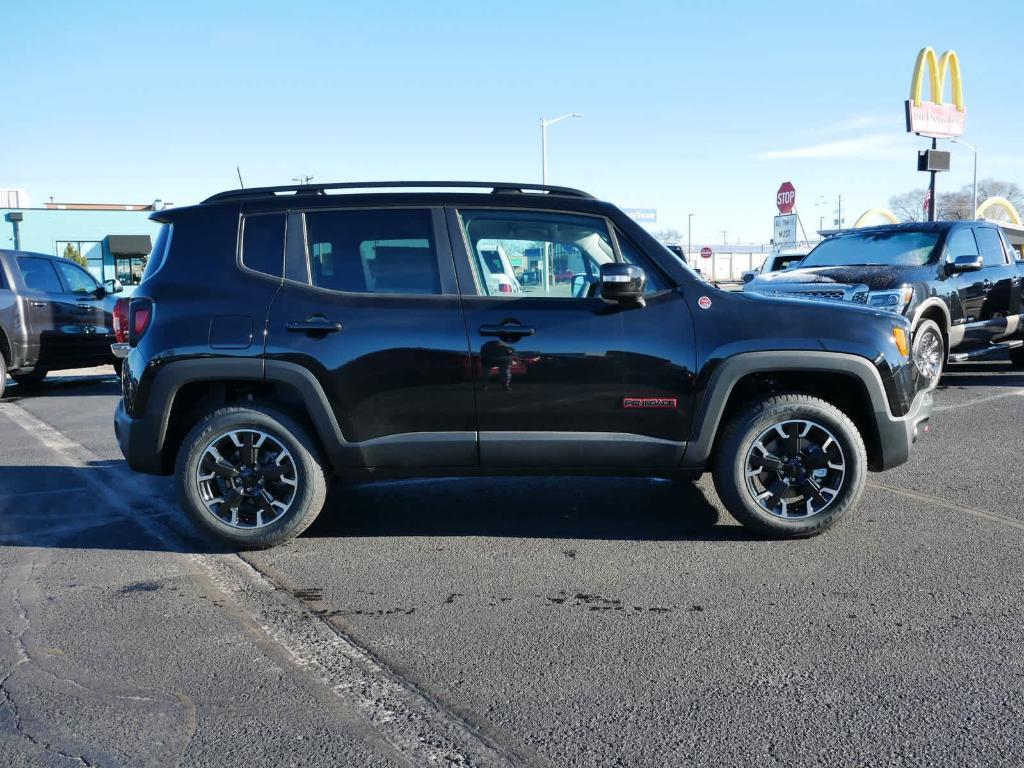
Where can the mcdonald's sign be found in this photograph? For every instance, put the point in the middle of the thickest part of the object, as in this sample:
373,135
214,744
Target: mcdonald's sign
933,117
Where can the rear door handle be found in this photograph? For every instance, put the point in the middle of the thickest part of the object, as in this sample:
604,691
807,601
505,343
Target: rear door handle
514,331
313,326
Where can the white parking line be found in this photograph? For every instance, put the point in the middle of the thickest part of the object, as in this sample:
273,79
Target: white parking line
415,725
984,514
1017,393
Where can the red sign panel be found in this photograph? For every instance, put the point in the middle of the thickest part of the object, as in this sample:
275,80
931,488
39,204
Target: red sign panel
706,252
785,198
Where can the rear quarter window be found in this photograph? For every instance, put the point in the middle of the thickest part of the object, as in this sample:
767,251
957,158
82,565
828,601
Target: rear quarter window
158,255
263,243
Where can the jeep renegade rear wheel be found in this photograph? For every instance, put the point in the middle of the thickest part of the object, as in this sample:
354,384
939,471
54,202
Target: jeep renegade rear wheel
251,476
790,465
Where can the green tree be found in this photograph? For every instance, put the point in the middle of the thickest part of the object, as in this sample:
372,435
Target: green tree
75,255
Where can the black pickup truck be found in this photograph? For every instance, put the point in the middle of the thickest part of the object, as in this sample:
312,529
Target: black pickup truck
53,315
352,331
958,282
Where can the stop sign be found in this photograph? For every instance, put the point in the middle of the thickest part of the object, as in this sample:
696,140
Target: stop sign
705,252
785,198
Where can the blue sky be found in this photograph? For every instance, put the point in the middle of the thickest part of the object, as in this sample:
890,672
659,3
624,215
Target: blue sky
689,107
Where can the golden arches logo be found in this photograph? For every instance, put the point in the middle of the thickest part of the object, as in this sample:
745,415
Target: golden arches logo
1000,204
937,68
933,117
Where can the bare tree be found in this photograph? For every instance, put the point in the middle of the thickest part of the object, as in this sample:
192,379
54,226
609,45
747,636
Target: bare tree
910,205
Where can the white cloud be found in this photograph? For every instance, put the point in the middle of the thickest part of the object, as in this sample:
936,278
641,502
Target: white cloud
875,146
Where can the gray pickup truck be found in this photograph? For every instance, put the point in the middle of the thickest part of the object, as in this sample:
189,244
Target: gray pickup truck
53,315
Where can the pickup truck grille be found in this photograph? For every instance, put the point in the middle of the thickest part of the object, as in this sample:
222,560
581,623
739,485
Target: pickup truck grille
822,294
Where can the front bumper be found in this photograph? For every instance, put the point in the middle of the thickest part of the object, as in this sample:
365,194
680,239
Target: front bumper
138,440
896,435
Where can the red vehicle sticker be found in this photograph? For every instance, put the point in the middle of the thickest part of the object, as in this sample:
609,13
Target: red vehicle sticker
650,402
704,302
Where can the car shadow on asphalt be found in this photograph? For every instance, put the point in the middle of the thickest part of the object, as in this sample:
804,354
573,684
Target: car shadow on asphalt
608,508
71,386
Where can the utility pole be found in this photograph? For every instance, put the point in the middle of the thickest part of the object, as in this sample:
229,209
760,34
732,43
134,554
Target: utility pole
724,233
544,142
974,149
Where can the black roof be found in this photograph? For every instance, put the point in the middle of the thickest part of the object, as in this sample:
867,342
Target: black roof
911,226
496,187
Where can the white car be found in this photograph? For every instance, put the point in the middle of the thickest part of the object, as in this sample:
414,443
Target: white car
498,272
775,262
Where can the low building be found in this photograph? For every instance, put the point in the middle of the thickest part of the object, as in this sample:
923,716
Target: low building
115,240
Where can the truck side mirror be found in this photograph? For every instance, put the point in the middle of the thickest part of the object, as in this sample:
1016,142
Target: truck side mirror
622,283
970,263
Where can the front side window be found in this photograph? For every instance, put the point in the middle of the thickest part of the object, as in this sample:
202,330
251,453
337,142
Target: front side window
77,280
991,246
893,248
263,243
39,275
382,251
539,254
961,243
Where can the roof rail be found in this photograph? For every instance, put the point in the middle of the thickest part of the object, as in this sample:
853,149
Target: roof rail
497,187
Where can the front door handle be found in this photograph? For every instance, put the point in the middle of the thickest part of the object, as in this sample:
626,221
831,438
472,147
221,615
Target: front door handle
313,326
512,331
37,303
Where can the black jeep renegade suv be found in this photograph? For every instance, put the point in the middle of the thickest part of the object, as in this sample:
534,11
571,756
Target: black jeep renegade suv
283,334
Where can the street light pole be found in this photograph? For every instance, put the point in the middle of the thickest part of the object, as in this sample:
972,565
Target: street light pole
689,236
544,141
973,149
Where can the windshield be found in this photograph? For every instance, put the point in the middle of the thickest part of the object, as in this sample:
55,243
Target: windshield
891,248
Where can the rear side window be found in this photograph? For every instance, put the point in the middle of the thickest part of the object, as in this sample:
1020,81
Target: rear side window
384,251
263,243
39,275
991,246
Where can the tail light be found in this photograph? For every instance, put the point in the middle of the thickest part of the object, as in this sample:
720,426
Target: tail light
504,288
140,315
121,321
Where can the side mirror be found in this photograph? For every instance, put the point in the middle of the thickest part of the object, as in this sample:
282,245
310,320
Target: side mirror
113,285
965,264
622,283
748,276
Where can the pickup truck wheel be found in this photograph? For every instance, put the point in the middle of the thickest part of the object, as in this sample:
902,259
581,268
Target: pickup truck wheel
929,351
251,476
30,380
790,465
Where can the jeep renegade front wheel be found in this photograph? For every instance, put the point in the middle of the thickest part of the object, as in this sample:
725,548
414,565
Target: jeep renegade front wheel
251,476
790,465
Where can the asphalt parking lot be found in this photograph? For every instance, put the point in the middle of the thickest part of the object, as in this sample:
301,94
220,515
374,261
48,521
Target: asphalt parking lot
569,622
